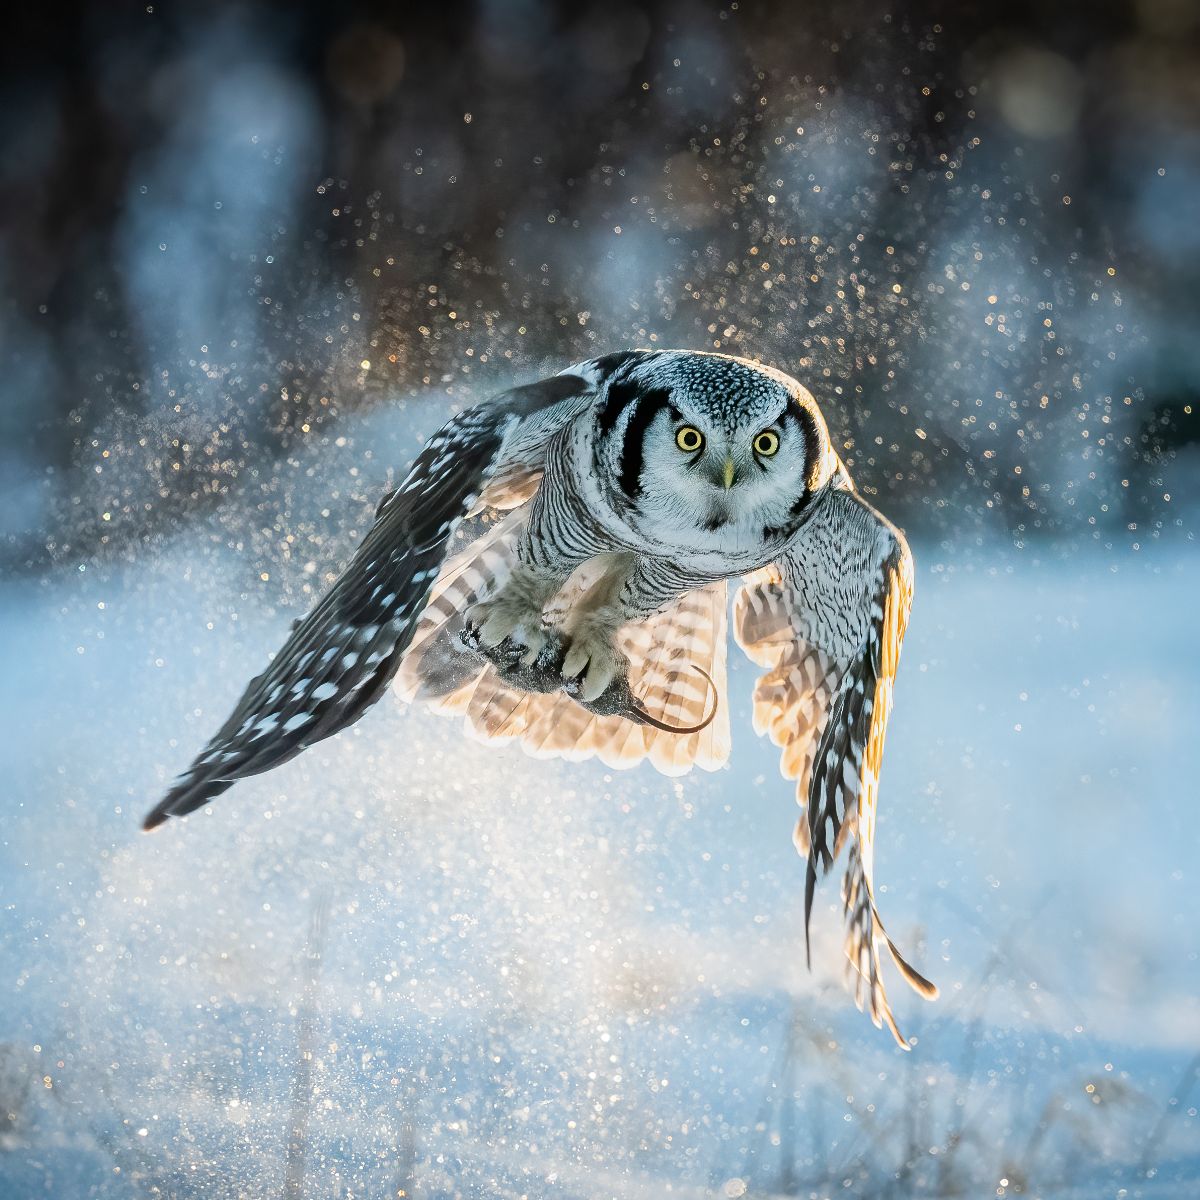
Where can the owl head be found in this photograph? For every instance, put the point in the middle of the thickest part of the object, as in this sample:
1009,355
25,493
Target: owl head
725,452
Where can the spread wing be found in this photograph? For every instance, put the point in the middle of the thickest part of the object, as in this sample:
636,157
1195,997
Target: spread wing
827,621
341,657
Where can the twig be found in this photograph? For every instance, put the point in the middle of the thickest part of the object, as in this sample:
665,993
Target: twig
293,1188
1177,1097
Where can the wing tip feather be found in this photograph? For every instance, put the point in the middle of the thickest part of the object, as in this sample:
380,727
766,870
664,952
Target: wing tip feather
188,795
154,819
925,988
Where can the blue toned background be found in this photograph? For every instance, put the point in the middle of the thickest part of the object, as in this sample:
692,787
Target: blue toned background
251,255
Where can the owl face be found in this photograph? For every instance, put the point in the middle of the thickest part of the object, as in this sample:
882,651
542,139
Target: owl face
720,452
715,473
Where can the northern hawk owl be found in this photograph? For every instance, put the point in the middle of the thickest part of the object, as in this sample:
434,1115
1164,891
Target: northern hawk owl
588,617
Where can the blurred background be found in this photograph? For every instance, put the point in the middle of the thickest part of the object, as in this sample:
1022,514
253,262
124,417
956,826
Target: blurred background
252,253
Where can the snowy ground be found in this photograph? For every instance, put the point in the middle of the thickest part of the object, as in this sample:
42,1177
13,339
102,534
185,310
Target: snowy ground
549,980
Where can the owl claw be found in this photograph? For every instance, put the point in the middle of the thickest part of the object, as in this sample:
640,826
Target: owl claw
587,678
530,668
510,617
591,665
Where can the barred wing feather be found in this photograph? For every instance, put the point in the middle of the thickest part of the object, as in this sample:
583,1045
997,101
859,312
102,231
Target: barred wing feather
340,659
827,622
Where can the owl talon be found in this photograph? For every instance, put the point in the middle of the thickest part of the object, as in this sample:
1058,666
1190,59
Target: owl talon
517,663
504,621
590,667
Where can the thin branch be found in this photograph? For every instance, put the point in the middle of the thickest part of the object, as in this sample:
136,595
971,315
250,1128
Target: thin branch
293,1188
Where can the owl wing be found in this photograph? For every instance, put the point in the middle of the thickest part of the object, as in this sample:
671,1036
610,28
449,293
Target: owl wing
339,659
664,652
826,621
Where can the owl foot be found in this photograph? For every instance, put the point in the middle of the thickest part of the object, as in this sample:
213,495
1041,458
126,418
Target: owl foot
531,670
592,663
509,620
548,672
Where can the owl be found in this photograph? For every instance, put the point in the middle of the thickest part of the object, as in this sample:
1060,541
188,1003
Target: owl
587,616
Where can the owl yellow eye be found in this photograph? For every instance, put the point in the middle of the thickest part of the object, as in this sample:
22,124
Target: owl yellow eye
766,443
689,439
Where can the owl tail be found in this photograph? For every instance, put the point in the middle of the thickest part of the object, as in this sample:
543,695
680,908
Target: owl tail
864,934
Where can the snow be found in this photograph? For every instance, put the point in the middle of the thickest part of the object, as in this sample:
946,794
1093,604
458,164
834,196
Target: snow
563,981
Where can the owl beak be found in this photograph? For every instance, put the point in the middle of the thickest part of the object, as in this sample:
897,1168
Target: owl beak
729,474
